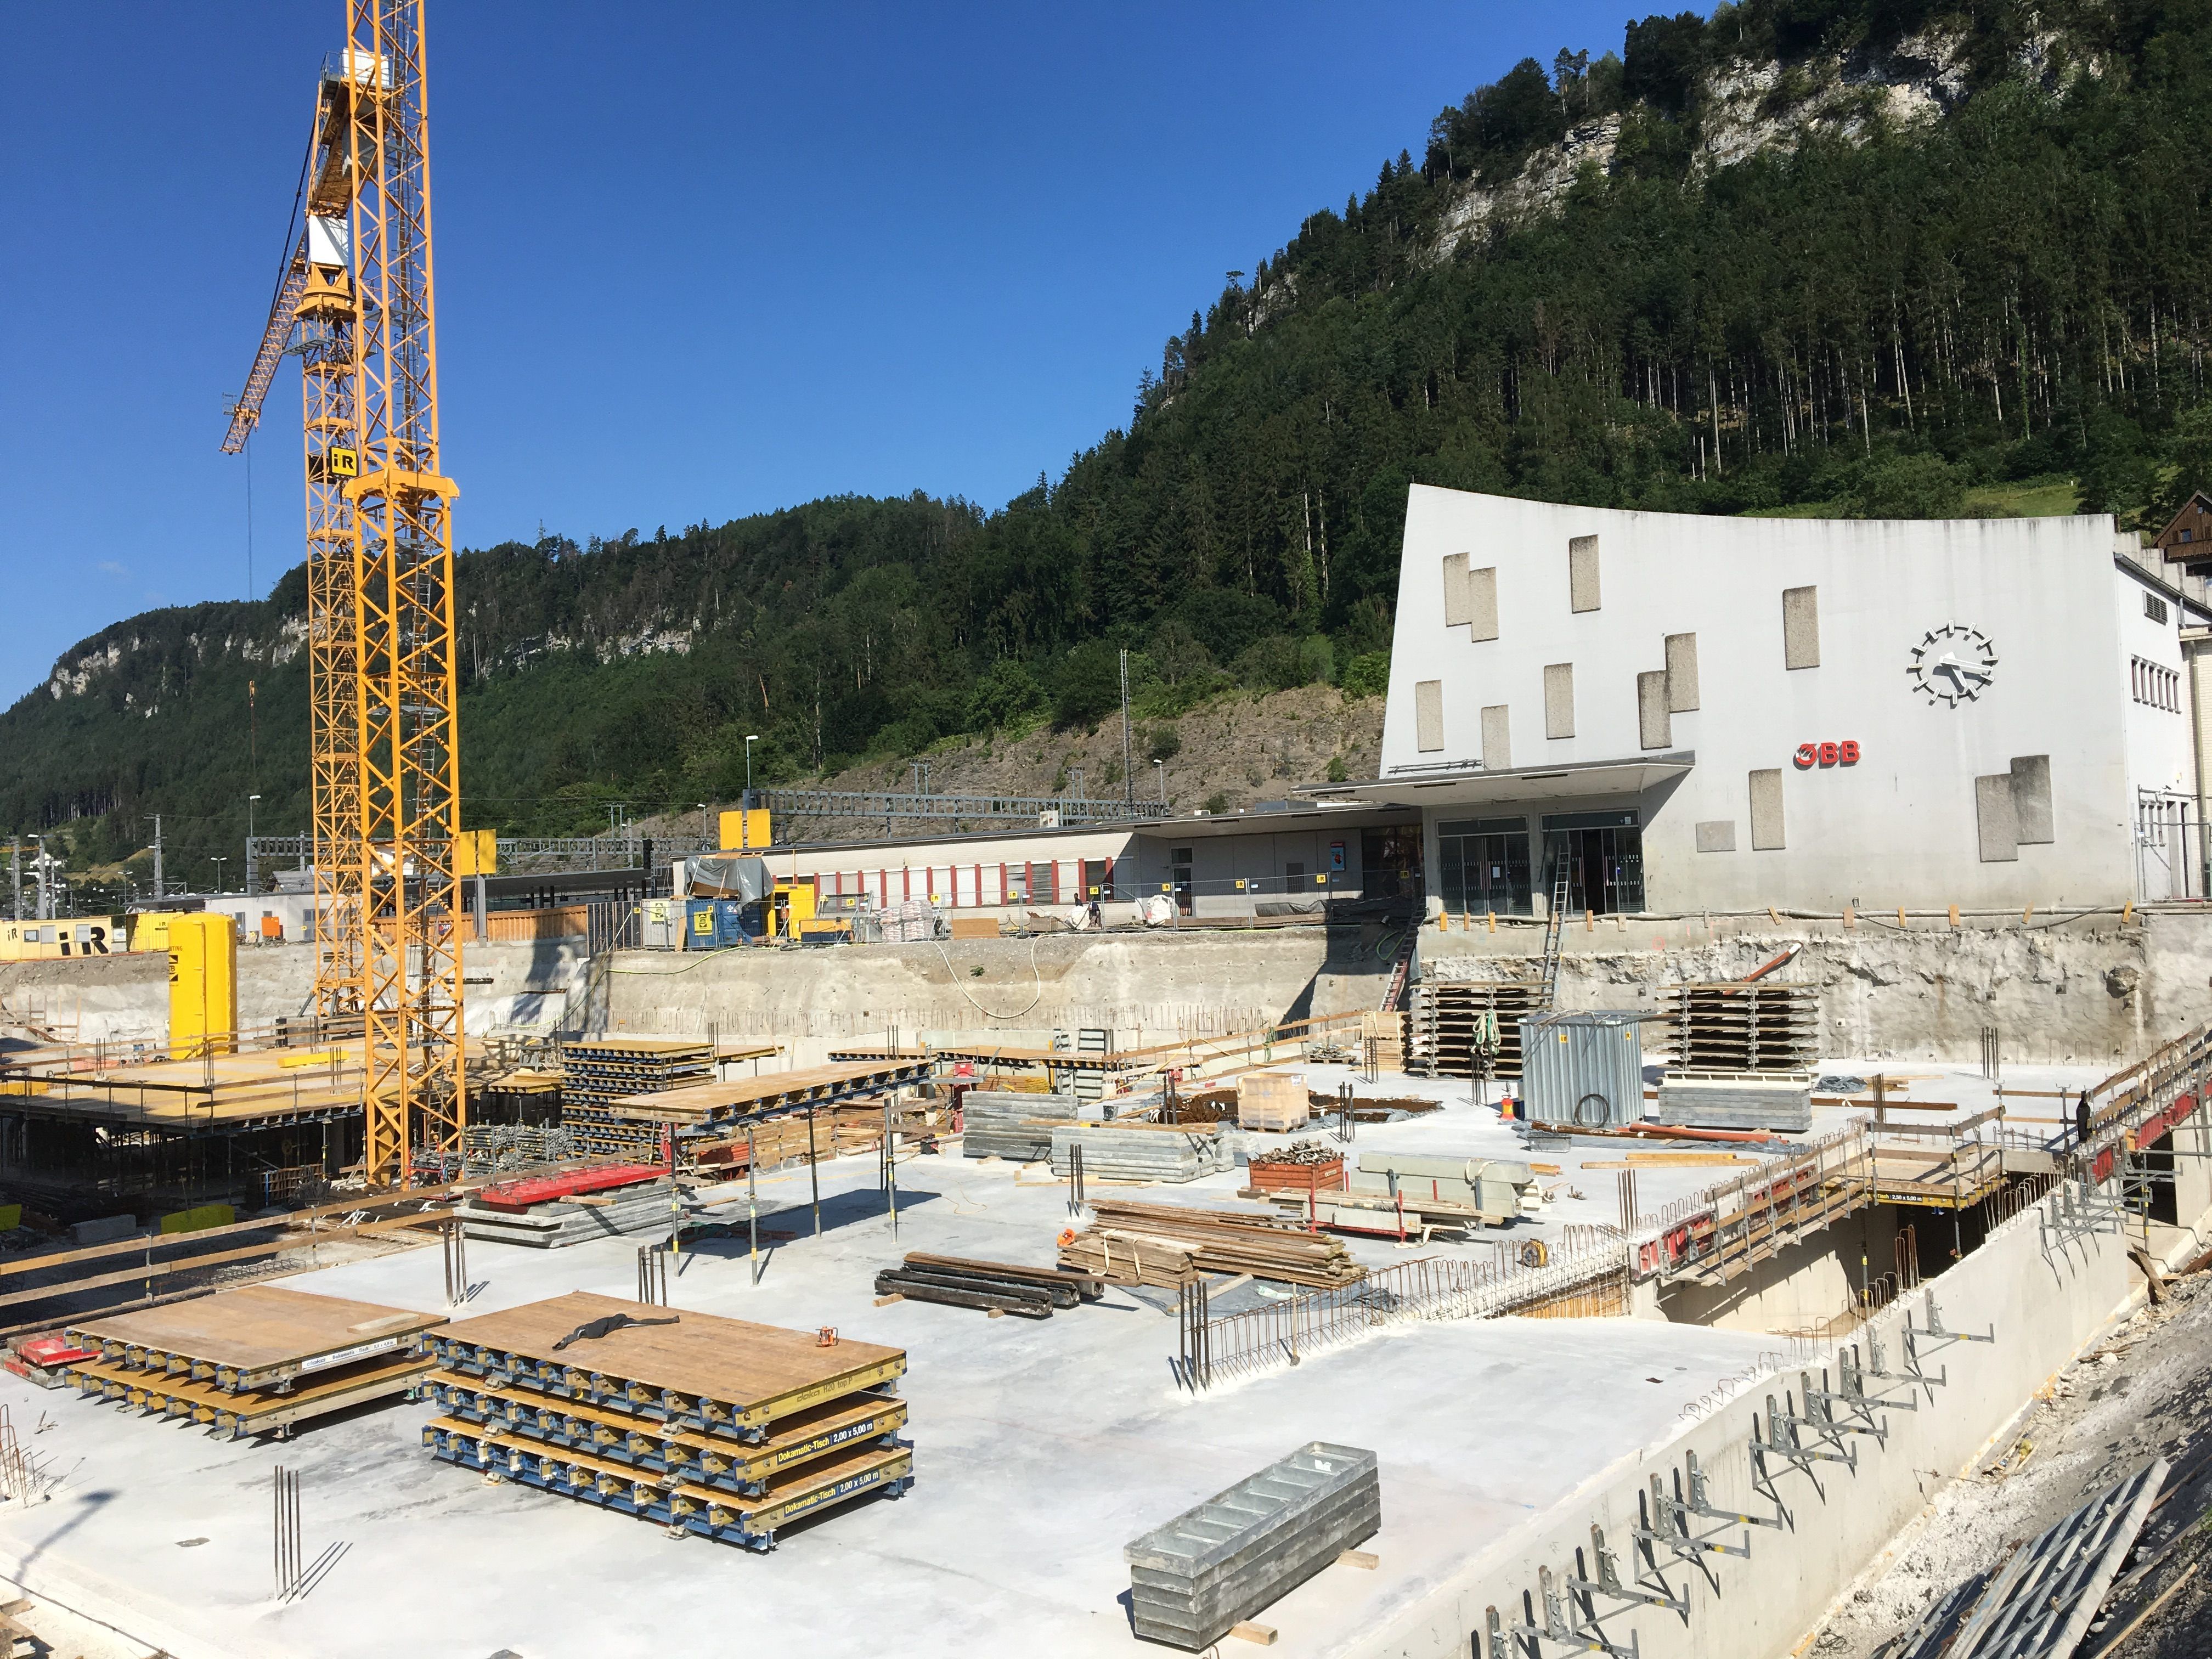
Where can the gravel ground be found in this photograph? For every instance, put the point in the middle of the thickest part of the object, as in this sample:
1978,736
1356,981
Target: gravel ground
2138,1394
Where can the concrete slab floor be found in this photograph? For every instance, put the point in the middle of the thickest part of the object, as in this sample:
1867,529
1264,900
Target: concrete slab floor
1041,1449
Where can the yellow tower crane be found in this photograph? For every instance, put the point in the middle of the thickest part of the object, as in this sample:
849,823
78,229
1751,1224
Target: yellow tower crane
358,298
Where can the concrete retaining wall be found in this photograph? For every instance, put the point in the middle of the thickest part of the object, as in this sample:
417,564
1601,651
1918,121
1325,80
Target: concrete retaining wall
2044,1307
126,998
2087,992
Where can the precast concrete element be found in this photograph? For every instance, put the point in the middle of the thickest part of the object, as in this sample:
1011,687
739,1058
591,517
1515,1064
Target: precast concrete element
1797,1528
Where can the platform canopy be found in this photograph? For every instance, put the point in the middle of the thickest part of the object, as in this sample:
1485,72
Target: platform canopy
1466,783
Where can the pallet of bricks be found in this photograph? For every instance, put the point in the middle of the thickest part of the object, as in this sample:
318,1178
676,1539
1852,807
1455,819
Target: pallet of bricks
257,1360
1764,1025
715,1426
1443,1017
598,1071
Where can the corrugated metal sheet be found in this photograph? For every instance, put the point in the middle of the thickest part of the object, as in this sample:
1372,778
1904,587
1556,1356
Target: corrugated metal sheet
1584,1068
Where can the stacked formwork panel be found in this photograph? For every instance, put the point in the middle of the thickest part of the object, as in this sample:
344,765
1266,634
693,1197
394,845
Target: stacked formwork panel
703,1424
1444,1018
1193,1580
257,1360
1766,1025
600,1071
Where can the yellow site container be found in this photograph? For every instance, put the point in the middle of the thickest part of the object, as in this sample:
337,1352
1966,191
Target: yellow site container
193,1221
794,906
475,852
149,930
745,831
69,936
203,985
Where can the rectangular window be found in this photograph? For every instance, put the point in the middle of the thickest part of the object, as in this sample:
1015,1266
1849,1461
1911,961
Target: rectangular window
1681,673
1653,730
1581,573
1044,884
1767,811
1179,865
1294,879
1482,603
2154,607
1017,879
1558,700
1428,716
1497,738
1801,628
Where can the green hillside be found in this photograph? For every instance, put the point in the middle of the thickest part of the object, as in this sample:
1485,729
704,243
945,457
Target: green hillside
1875,257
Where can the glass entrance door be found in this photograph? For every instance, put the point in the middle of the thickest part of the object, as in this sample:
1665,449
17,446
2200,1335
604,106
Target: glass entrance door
1603,853
1485,867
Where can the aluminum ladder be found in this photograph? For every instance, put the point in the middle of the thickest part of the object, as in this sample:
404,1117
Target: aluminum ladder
1553,923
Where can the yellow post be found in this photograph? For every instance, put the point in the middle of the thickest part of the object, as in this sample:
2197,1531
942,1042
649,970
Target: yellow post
203,986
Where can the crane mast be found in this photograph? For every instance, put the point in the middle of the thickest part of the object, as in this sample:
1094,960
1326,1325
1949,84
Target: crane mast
406,821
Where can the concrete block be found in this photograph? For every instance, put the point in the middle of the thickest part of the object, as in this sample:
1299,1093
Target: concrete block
1581,573
1800,627
2030,800
104,1231
1653,730
1767,810
1558,700
1497,738
1681,673
1456,606
1429,715
1995,820
1482,603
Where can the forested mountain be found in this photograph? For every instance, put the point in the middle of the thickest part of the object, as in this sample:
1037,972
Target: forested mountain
1868,254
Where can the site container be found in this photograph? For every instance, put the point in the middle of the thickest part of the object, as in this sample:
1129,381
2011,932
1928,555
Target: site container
1585,1069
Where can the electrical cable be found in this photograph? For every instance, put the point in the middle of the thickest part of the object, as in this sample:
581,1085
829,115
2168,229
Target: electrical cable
1035,973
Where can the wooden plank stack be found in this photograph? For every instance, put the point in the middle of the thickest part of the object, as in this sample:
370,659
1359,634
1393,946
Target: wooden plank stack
1132,1243
1442,1017
997,1287
599,1071
703,1424
255,1360
1766,1025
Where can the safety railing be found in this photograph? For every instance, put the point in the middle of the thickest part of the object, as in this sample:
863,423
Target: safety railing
1591,1280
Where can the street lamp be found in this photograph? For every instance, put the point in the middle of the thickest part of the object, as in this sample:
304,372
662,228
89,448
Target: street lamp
218,861
1161,767
706,823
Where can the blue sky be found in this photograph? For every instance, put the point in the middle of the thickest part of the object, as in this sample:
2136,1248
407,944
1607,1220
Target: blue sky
693,262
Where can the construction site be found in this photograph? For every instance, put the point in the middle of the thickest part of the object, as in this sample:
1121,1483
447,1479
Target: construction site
1477,1209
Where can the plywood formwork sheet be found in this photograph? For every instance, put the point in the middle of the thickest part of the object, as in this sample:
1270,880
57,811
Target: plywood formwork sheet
255,1337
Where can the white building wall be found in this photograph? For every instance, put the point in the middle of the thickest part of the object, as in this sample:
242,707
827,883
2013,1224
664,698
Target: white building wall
1901,825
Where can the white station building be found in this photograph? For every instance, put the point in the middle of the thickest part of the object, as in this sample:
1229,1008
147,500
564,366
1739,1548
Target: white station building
1676,714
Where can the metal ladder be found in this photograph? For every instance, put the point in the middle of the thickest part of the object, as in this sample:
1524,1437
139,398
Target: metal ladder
1553,924
1402,967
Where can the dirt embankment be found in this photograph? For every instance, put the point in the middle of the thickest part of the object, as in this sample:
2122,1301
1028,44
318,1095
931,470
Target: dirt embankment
1232,751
